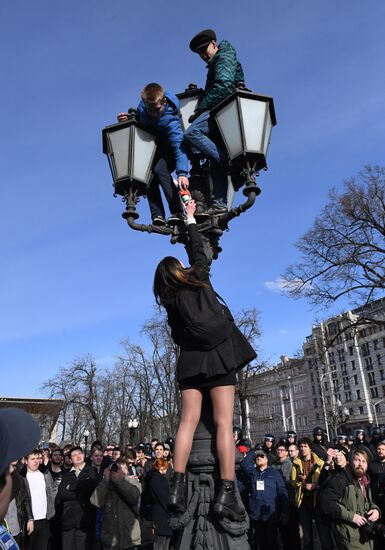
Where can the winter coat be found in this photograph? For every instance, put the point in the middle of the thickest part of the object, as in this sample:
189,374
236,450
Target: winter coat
168,126
159,491
268,503
234,353
74,496
297,469
119,502
20,493
341,497
224,73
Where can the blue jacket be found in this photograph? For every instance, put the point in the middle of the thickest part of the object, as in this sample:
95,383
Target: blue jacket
271,500
168,126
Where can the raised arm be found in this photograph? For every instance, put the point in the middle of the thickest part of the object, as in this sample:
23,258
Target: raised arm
197,254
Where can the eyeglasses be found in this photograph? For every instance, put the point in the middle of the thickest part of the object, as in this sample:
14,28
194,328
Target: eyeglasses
281,450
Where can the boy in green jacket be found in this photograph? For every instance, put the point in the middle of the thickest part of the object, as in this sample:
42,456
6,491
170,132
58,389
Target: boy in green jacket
223,75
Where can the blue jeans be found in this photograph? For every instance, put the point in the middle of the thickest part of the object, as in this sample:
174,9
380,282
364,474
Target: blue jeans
162,178
196,136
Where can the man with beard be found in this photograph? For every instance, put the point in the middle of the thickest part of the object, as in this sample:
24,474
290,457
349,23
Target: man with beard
347,501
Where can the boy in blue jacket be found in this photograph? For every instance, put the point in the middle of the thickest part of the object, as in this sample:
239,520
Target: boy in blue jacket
159,110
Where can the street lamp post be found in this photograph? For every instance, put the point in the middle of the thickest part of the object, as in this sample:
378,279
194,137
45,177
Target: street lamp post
86,435
133,426
374,406
244,121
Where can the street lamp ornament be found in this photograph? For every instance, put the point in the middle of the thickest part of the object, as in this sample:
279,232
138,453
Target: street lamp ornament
244,121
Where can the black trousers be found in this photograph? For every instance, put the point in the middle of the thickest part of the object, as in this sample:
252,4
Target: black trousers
74,539
264,535
38,539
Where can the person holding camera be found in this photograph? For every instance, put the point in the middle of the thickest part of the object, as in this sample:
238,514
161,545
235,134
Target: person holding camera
118,496
346,500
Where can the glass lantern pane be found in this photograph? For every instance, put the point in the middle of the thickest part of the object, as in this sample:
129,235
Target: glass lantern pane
269,127
144,149
119,145
229,124
187,107
253,116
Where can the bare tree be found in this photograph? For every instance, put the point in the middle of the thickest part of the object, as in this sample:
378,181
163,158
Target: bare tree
248,322
344,252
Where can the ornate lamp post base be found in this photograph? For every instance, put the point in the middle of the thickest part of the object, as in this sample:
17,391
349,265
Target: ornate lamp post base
199,528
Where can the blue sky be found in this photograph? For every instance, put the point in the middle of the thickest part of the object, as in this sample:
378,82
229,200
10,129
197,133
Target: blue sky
74,279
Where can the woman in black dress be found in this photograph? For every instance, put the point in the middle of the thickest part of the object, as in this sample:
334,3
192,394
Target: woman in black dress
185,293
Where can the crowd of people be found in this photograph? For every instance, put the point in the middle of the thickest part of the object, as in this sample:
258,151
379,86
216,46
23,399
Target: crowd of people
295,491
302,490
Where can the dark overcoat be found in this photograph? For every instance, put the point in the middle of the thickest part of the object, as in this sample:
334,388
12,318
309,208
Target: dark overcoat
159,491
234,353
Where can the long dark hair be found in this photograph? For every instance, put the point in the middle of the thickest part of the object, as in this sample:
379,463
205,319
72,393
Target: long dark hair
171,276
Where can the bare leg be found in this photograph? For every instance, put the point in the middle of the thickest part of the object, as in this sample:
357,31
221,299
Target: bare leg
222,399
191,412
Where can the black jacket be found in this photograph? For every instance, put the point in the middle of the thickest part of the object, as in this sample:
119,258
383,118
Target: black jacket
159,514
233,353
74,499
22,499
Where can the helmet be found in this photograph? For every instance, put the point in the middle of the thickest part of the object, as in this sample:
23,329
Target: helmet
318,431
268,437
342,437
291,433
376,431
258,447
283,441
359,431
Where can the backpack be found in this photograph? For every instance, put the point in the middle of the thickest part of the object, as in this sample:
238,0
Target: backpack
212,326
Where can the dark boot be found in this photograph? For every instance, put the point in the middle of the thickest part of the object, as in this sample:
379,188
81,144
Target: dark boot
227,503
177,499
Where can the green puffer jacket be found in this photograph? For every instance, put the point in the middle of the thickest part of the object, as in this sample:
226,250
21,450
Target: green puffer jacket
340,499
224,72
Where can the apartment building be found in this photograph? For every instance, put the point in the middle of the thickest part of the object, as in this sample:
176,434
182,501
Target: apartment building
345,360
279,399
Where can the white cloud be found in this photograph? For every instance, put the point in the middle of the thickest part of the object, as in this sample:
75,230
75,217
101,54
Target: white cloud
282,285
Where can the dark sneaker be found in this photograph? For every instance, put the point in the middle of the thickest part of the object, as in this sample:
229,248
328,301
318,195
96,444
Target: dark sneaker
176,218
217,208
159,221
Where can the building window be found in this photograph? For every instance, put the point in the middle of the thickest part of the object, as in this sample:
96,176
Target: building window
351,350
353,364
372,380
383,391
379,359
375,344
315,403
355,378
365,349
361,410
358,394
374,392
369,364
348,396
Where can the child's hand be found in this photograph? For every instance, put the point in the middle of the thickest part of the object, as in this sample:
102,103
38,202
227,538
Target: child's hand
190,208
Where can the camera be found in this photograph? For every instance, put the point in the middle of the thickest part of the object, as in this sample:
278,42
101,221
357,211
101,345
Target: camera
371,530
